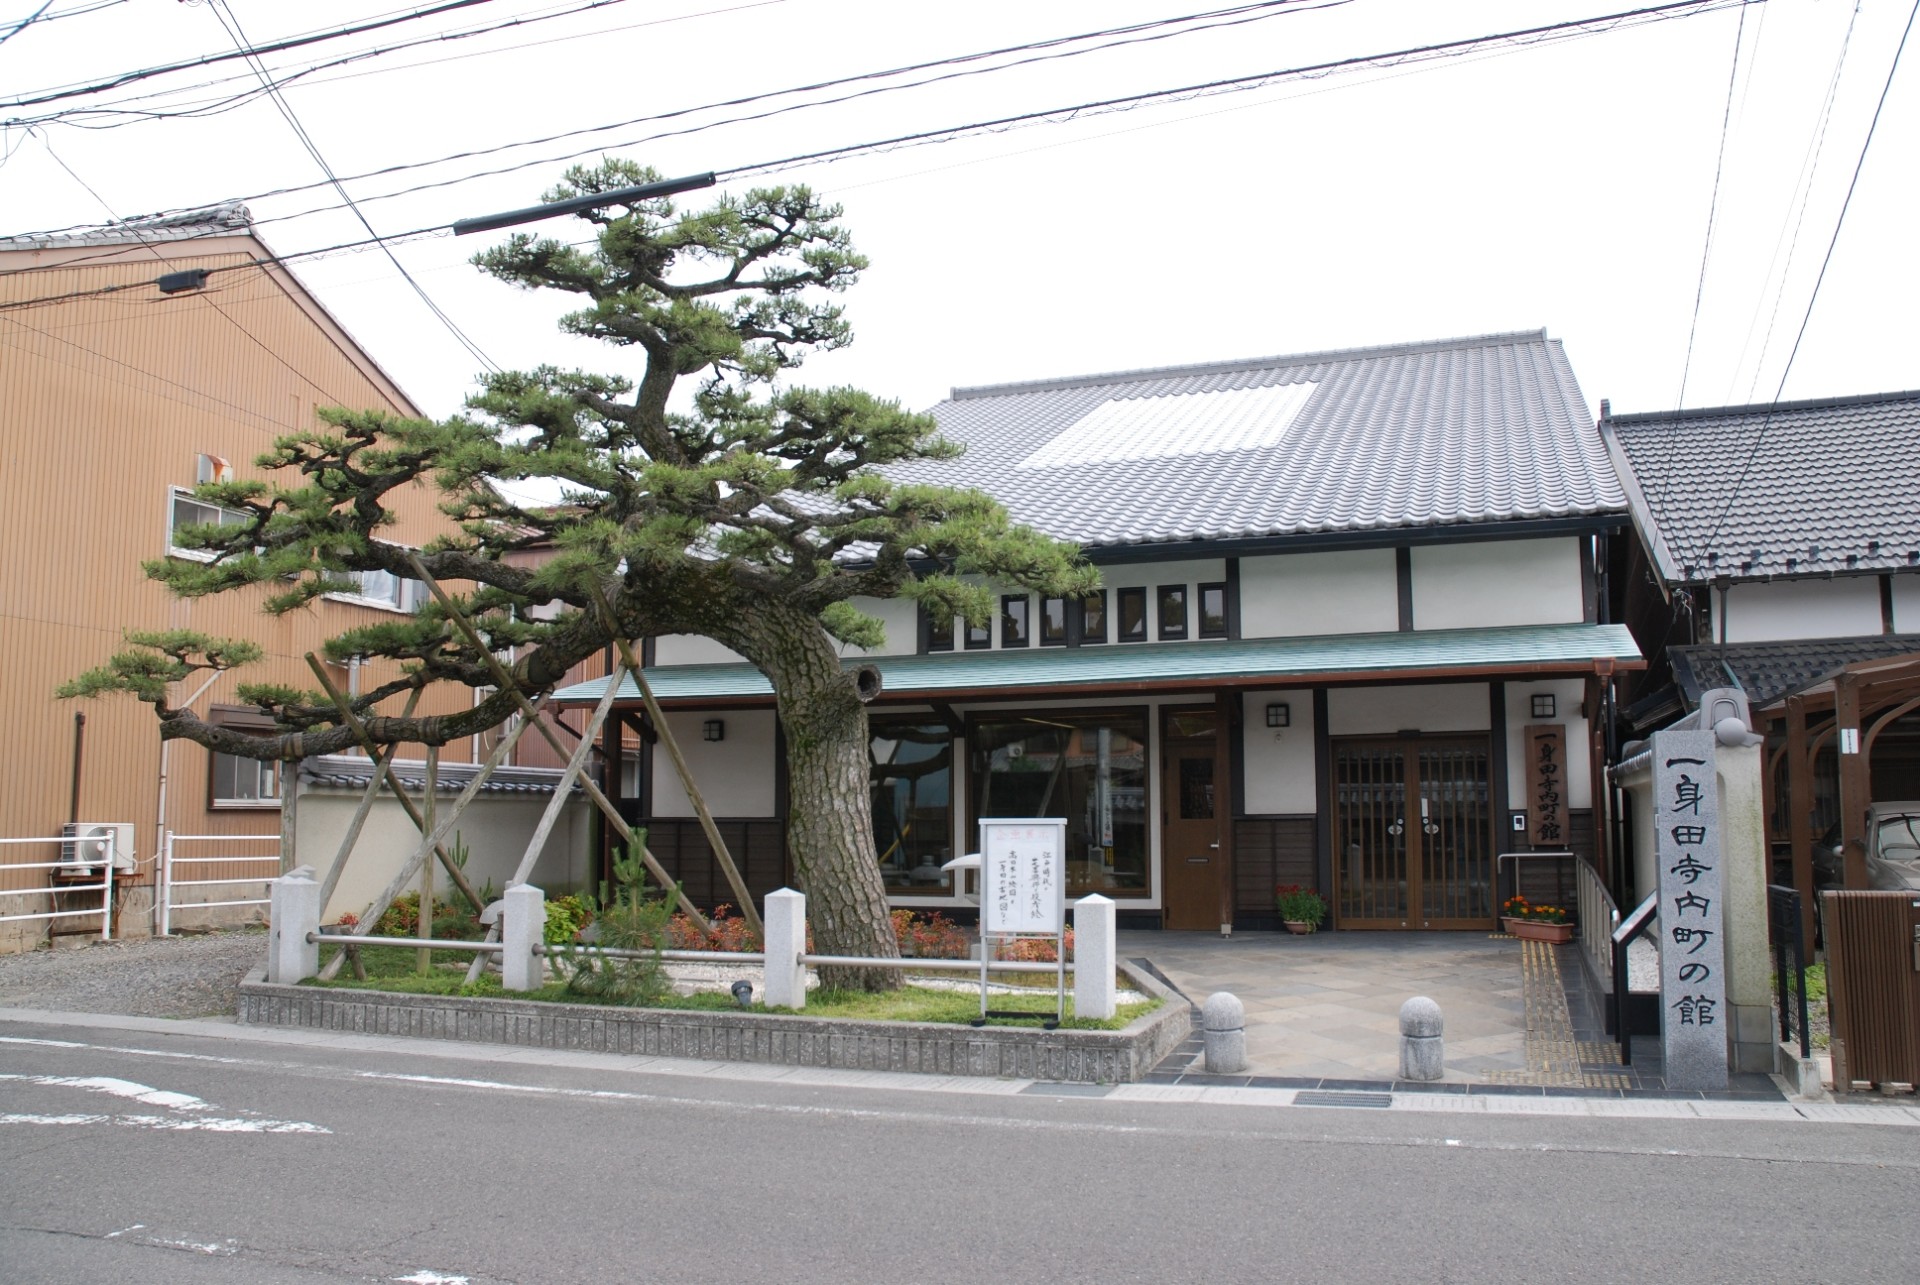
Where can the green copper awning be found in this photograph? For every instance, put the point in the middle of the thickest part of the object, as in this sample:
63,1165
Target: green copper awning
1188,666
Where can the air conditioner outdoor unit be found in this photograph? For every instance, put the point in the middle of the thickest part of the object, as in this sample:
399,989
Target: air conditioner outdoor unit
87,846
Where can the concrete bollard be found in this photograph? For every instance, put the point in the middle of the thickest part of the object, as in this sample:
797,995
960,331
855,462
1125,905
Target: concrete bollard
785,918
1423,1053
1095,957
294,906
1223,1022
523,926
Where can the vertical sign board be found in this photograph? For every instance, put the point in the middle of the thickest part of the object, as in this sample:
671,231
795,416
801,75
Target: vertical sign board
1546,751
1023,876
1693,974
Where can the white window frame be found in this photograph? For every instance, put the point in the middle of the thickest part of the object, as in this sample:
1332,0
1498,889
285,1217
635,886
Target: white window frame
405,598
265,772
175,496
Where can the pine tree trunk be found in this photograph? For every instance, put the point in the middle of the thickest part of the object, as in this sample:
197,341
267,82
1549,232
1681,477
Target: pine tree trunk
830,814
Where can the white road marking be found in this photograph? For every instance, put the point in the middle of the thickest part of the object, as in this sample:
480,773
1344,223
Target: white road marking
192,1110
124,1230
425,1277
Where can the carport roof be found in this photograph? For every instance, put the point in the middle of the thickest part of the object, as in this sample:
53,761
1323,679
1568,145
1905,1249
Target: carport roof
1195,666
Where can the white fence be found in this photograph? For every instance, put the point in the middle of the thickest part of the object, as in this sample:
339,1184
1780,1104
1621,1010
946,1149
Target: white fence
262,862
65,877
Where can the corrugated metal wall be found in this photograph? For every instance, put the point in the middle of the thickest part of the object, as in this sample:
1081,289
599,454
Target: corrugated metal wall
106,400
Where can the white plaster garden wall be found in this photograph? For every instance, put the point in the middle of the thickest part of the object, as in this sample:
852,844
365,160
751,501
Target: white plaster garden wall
1497,582
1351,591
1783,609
1279,760
495,829
1568,693
734,775
1432,707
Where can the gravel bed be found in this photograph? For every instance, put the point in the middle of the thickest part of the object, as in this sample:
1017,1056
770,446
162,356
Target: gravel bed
196,976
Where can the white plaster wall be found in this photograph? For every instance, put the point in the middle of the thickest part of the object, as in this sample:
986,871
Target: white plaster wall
1497,582
1434,707
1784,609
1279,760
1906,604
735,775
900,617
691,649
1567,693
495,827
1351,591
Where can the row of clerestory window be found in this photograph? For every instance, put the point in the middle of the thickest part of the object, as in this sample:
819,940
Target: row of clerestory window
1087,622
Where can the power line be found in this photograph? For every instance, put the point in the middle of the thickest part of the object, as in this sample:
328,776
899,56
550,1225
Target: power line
1524,38
291,42
228,20
25,22
215,107
1713,207
1807,316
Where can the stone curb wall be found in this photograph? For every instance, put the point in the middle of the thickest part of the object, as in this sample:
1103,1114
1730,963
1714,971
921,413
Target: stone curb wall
1082,1057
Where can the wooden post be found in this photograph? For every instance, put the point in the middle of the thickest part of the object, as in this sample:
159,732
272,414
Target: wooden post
423,927
289,812
1800,808
531,716
667,738
1855,791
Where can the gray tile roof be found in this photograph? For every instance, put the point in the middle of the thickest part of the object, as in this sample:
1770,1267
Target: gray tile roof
182,225
1485,429
1765,670
351,772
1816,487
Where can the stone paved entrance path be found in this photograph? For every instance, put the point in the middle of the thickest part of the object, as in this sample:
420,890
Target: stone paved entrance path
1327,1006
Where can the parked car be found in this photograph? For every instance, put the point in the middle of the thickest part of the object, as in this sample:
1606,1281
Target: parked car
1893,850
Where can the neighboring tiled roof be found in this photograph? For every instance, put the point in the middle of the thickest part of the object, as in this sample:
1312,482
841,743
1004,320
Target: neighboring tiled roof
182,225
1816,487
1766,669
347,771
1194,664
1473,430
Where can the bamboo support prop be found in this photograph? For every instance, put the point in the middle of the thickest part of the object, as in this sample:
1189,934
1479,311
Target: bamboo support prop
380,771
667,738
423,922
530,715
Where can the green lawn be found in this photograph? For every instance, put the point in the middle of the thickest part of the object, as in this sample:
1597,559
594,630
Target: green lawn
392,968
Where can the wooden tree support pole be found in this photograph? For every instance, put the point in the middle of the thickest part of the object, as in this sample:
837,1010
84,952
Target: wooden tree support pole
667,738
380,772
430,842
423,922
531,715
551,815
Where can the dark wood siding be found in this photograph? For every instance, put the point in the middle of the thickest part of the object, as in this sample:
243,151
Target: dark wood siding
758,846
1269,851
1551,882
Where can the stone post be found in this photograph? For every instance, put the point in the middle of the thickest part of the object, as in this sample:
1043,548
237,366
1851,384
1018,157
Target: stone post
1423,1054
295,909
1223,1020
1095,957
523,926
786,922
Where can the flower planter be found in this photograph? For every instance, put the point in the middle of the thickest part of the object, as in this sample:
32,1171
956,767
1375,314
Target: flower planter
1298,926
1536,930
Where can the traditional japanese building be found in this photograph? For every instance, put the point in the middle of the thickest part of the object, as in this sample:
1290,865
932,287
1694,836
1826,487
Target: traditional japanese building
1352,634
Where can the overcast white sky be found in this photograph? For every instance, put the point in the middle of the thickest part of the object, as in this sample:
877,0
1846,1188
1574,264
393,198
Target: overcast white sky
1564,186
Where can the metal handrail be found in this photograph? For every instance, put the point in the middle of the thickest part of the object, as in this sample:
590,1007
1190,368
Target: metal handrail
104,887
1595,906
1622,937
1787,931
685,956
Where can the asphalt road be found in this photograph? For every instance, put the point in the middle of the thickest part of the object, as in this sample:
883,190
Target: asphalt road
150,1156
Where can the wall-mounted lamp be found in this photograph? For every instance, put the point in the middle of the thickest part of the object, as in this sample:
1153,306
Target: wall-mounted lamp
1279,715
1543,704
714,729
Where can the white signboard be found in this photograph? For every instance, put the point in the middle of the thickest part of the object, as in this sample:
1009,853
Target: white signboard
1693,973
1023,867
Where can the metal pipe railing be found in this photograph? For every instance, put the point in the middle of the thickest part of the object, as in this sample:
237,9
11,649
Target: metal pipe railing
104,887
690,956
167,883
412,943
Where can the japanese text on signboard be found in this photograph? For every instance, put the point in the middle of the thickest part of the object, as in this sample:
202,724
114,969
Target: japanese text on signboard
1022,875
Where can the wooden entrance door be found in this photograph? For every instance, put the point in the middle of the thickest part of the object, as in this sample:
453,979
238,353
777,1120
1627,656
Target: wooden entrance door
1191,797
1413,833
